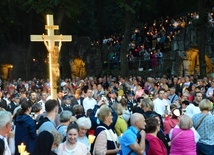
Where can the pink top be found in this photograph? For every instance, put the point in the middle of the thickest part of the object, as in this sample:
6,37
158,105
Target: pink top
169,124
183,142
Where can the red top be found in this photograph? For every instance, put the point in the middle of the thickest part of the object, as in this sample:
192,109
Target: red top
156,146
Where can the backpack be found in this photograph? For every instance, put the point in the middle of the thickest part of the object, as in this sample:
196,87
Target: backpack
41,121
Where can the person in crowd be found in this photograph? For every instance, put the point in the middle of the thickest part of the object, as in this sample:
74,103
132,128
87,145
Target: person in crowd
161,135
5,128
65,120
67,103
71,145
187,84
3,103
210,91
126,112
25,131
172,95
106,138
47,123
140,91
133,139
59,100
33,98
170,123
89,102
78,111
161,105
203,123
184,137
14,103
131,102
121,125
44,144
36,111
2,147
43,100
77,99
84,125
148,110
193,108
57,140
112,97
156,146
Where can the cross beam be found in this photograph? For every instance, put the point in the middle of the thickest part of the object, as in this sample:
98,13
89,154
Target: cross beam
49,40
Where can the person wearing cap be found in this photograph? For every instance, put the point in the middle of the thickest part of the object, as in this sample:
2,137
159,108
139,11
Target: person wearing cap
66,103
112,97
131,102
14,103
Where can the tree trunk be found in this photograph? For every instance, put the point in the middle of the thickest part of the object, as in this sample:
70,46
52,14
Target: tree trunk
202,31
123,52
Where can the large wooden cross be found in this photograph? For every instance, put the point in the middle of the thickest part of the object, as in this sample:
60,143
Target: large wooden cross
50,41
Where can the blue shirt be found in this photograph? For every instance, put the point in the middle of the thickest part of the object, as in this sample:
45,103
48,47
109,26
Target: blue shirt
128,138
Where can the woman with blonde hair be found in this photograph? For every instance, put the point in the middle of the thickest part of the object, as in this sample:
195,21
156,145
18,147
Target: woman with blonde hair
204,124
105,142
183,137
121,124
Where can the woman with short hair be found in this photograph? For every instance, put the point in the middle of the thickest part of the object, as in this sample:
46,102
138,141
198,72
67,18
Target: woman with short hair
84,124
156,146
183,137
105,142
204,124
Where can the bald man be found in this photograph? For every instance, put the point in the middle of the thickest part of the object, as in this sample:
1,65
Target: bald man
130,142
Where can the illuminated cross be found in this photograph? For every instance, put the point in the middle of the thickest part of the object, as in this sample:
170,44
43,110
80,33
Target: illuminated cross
49,40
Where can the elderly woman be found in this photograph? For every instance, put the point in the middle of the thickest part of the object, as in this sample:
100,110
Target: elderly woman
84,125
156,146
204,124
105,142
183,137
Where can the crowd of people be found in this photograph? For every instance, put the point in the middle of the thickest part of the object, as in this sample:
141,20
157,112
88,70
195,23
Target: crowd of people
108,115
149,38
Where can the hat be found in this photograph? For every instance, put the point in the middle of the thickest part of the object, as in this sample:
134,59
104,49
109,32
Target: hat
15,95
63,84
130,93
66,97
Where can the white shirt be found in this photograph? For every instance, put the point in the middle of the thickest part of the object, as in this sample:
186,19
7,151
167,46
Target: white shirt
43,105
89,103
191,110
209,92
7,149
159,106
